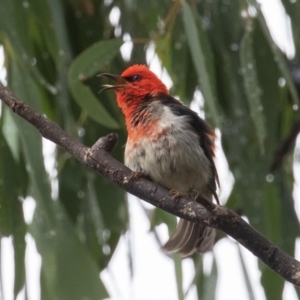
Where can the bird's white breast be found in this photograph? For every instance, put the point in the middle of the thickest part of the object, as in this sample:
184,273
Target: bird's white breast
170,154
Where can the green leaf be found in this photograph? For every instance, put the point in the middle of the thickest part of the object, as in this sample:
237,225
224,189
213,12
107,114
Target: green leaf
196,39
11,212
19,244
278,55
246,275
68,270
210,283
17,25
205,283
5,198
10,133
105,192
42,15
14,22
161,217
176,58
273,284
72,181
252,87
178,273
88,64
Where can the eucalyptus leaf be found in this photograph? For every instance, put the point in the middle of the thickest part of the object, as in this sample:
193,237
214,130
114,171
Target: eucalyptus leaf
11,212
88,64
278,55
196,39
179,276
252,87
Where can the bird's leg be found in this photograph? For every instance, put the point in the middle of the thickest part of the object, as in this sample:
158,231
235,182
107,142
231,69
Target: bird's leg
205,202
201,199
137,175
176,195
193,193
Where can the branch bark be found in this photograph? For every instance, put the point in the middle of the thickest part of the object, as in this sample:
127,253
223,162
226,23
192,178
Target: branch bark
99,159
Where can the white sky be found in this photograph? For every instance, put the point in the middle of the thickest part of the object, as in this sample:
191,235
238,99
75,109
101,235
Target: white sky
154,272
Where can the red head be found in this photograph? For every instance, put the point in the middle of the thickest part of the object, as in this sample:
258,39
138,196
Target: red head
136,84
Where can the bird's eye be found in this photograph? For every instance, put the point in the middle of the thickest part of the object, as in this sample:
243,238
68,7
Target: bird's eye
133,78
136,78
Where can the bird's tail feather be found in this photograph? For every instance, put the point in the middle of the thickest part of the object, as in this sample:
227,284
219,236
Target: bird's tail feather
190,237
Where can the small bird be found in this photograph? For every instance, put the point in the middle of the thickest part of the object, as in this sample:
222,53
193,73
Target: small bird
172,145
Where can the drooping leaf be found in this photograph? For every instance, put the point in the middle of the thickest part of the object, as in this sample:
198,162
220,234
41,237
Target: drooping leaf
272,283
68,270
278,55
196,39
252,87
11,212
246,275
179,275
88,64
161,217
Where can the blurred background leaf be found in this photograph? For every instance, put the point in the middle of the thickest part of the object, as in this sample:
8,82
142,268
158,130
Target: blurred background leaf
53,52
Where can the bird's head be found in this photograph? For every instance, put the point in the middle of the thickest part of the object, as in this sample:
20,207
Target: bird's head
136,85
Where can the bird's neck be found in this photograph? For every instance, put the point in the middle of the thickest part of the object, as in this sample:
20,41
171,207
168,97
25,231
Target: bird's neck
139,119
132,106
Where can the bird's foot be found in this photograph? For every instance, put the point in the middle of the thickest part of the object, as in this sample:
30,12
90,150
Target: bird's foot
176,195
193,194
137,175
205,202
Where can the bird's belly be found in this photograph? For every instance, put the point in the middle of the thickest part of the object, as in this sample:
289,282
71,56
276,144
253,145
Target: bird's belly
175,163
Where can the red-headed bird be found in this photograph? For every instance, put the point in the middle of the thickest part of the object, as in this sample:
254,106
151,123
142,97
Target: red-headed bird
171,144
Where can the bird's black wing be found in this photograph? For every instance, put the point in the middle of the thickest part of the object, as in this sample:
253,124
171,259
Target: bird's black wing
202,129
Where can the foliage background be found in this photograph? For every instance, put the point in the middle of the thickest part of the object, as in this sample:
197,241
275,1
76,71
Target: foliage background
53,50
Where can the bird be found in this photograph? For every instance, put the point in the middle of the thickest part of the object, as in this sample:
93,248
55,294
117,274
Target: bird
170,144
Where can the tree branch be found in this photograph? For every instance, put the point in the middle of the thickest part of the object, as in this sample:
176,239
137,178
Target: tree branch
98,158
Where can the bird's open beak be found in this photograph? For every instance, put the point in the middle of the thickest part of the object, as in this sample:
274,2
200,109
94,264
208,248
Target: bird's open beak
120,80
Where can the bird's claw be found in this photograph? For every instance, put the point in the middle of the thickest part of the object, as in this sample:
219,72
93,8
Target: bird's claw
194,194
176,195
136,175
208,204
